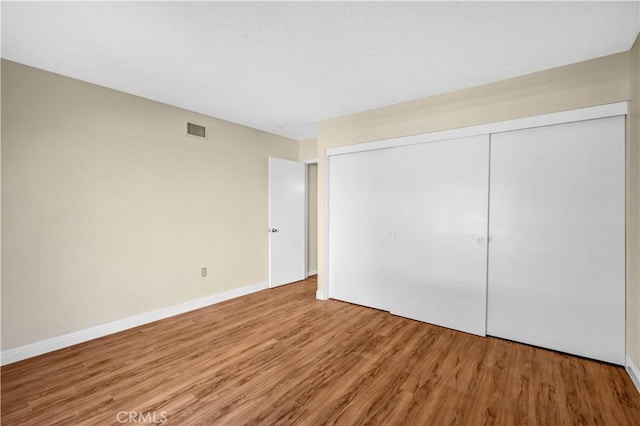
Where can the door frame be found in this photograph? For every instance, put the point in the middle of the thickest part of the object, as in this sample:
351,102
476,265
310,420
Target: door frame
307,163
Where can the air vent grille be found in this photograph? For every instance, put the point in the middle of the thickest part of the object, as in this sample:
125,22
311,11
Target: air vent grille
196,130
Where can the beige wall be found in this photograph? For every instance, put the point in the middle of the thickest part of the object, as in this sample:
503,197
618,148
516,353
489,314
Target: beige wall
312,218
633,208
595,82
108,210
308,150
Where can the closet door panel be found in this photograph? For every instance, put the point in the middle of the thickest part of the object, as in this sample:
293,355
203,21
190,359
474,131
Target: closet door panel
556,259
359,214
438,233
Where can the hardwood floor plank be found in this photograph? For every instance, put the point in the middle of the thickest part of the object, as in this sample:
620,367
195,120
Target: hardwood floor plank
281,357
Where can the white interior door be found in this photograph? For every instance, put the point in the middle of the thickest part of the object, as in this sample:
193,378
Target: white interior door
408,228
287,227
556,260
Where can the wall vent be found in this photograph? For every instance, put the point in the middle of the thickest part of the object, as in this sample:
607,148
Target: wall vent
197,130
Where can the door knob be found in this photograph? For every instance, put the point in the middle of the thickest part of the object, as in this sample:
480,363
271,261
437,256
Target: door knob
480,240
273,230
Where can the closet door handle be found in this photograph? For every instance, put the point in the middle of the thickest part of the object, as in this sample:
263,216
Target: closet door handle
480,240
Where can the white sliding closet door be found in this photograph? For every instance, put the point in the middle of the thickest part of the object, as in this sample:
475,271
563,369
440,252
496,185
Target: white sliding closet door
438,233
408,228
360,211
556,260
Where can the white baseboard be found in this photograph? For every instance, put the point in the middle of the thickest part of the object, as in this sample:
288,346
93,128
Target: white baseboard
633,372
314,272
320,295
54,343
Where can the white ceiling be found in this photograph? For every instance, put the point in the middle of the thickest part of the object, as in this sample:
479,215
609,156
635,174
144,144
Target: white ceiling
284,67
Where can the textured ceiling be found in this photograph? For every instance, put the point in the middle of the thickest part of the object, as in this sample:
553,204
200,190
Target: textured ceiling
284,67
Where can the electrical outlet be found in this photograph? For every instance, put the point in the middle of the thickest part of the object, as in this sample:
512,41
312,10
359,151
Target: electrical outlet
203,272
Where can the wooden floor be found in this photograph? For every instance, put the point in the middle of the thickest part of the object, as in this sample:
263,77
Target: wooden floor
282,357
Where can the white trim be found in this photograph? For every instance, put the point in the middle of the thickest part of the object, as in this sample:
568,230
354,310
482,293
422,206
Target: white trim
306,220
327,237
320,295
313,272
600,111
633,372
48,345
